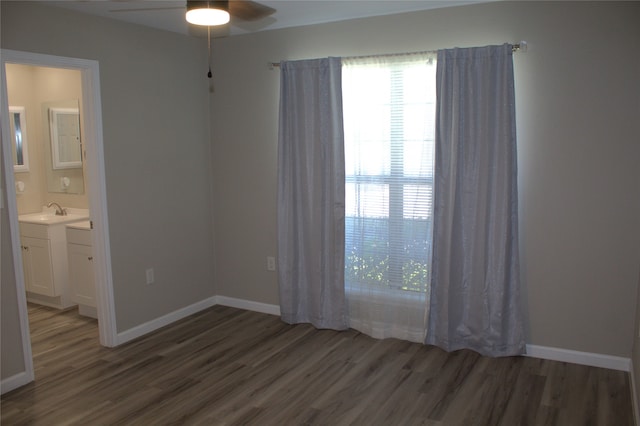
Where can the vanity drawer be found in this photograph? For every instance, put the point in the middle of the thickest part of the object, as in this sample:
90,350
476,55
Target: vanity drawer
79,236
33,230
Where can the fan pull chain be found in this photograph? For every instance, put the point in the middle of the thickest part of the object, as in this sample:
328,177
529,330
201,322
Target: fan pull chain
209,74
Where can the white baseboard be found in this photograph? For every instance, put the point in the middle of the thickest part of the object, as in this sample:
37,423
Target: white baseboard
14,382
248,305
157,323
535,351
577,357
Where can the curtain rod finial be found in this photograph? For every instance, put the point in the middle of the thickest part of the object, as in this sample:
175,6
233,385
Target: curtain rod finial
521,46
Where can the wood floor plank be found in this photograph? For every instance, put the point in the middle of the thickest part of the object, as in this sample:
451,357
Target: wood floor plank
524,402
226,366
482,397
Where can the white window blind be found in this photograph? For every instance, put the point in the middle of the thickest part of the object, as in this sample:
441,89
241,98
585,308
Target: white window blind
389,116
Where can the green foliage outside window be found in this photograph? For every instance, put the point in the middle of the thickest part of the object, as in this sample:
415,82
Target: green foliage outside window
369,263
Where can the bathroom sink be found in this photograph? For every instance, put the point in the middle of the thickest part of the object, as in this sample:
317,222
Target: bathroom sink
46,218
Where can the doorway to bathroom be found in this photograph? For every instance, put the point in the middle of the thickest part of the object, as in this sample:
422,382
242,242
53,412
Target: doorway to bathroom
45,111
76,177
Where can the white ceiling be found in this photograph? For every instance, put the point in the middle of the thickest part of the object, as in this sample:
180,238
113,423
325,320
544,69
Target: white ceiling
169,14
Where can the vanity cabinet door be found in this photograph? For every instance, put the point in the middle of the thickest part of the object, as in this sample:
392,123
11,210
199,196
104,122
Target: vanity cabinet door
38,270
83,289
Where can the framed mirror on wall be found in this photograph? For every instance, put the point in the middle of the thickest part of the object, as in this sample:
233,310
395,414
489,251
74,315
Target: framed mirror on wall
66,146
63,152
18,129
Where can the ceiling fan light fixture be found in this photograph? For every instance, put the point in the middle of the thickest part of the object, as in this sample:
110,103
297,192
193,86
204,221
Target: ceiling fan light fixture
208,13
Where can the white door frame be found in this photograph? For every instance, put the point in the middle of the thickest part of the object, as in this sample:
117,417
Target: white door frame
95,181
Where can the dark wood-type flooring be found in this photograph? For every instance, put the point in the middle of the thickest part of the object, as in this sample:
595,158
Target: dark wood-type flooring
229,366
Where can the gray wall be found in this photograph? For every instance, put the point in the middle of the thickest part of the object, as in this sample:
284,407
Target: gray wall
155,119
578,129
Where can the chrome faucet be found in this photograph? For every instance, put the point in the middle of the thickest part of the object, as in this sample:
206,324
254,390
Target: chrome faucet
59,210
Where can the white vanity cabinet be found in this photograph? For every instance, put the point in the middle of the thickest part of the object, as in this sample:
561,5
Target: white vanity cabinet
37,265
44,255
44,258
81,275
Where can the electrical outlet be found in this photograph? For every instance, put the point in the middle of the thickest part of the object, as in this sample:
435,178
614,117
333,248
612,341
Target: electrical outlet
150,278
271,263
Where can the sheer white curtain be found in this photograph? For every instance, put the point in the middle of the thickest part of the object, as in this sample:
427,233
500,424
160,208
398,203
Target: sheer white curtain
311,194
389,114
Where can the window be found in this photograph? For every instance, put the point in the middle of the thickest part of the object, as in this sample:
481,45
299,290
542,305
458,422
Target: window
389,117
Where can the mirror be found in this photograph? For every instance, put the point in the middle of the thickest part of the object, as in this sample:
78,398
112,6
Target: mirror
18,129
64,124
63,152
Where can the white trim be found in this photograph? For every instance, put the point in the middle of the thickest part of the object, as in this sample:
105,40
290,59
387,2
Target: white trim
12,209
92,124
634,394
14,382
96,179
248,305
577,357
164,320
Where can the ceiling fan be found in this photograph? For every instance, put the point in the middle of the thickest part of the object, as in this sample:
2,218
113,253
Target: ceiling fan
245,10
214,13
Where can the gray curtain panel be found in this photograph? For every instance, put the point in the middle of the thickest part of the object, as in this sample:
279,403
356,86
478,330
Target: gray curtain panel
311,208
475,269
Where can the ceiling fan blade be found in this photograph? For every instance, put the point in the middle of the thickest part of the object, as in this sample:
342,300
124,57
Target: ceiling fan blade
248,10
147,9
